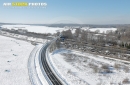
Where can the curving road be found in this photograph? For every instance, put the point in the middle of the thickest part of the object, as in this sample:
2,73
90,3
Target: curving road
54,80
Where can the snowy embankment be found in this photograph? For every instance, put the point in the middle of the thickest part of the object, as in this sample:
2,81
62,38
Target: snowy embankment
79,68
14,56
35,67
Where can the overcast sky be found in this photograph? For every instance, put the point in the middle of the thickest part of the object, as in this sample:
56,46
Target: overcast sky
69,11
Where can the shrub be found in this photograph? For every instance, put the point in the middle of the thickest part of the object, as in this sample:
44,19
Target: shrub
126,80
96,70
126,69
117,66
105,66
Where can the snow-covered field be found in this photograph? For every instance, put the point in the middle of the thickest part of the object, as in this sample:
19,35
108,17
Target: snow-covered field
103,30
36,29
79,68
45,29
14,56
23,37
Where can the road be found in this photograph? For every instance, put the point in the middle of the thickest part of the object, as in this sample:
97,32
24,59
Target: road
48,71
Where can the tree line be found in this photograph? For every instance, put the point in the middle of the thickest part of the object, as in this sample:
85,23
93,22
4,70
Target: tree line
119,38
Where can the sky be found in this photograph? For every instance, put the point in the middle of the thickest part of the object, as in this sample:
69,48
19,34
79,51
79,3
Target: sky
68,11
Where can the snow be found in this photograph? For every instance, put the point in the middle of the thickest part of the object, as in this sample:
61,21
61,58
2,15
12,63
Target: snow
35,67
23,37
36,29
101,30
75,68
85,28
38,67
14,56
45,29
95,57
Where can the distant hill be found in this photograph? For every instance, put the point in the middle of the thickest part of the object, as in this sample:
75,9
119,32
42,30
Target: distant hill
80,25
